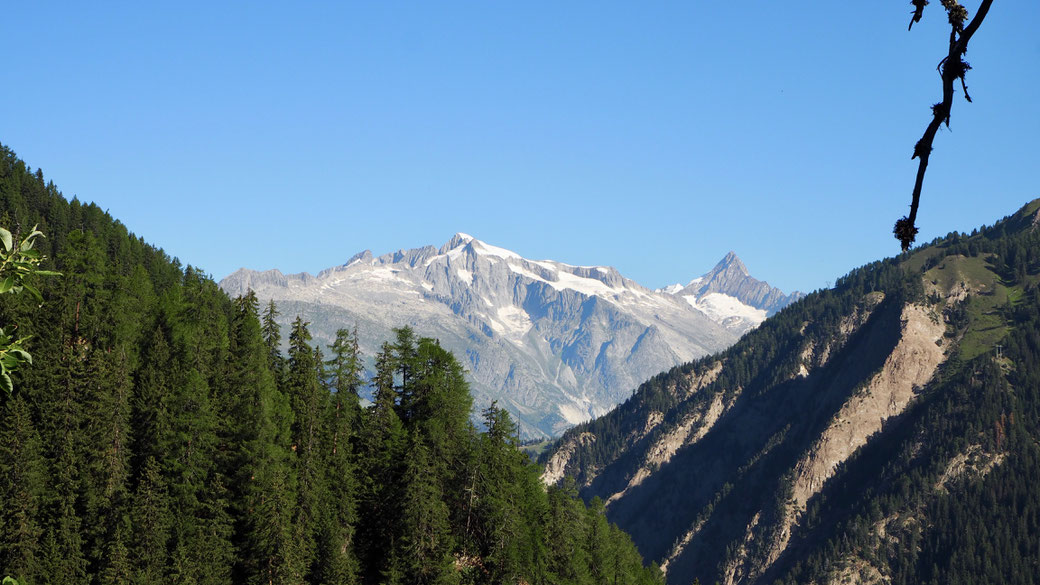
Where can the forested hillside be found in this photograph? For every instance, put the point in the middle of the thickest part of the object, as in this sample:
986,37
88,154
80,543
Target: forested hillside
883,431
161,436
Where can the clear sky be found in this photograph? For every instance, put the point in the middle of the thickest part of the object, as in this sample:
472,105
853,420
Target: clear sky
650,136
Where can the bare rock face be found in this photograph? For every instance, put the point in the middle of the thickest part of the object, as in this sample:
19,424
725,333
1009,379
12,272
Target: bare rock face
836,391
555,344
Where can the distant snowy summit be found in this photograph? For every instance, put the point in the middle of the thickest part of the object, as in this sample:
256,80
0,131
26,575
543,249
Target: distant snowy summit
554,343
729,295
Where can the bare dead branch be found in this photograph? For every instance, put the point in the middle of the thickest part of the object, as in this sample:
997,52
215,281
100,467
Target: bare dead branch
951,68
918,11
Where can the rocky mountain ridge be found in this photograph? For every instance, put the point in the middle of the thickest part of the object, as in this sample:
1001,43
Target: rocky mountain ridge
554,343
818,448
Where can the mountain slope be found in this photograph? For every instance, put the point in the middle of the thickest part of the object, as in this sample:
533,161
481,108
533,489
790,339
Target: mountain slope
555,344
839,440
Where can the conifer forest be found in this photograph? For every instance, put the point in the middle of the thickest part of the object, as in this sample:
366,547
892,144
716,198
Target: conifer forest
165,433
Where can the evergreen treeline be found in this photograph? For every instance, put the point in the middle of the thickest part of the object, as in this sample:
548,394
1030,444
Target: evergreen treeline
161,436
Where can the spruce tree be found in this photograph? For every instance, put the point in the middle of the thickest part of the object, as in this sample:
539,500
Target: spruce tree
150,414
425,537
264,487
405,363
107,457
273,340
440,402
201,549
64,554
308,399
336,559
345,369
62,559
24,471
382,447
566,540
498,530
256,435
151,520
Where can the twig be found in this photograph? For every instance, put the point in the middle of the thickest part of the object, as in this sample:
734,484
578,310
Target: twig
952,67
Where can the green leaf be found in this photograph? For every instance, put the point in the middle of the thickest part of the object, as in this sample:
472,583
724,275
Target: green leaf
7,240
30,240
47,273
22,355
32,290
34,254
5,383
7,284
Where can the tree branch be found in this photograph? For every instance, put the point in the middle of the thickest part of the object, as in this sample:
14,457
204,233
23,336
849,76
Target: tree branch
951,68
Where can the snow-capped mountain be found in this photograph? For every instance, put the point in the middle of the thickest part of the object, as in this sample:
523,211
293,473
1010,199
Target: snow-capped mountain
555,344
730,296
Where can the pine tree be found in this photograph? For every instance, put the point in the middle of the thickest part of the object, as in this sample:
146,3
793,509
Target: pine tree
308,400
345,368
62,558
64,553
382,445
263,487
600,545
23,469
425,537
133,311
211,548
150,414
107,455
405,363
115,567
497,522
270,553
151,520
568,560
440,402
273,339
82,289
336,557
201,549
255,450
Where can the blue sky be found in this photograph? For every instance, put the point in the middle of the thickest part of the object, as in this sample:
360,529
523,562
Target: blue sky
653,137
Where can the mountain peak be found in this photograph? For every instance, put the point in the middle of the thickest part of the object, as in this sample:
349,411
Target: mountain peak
730,277
458,240
730,261
363,256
